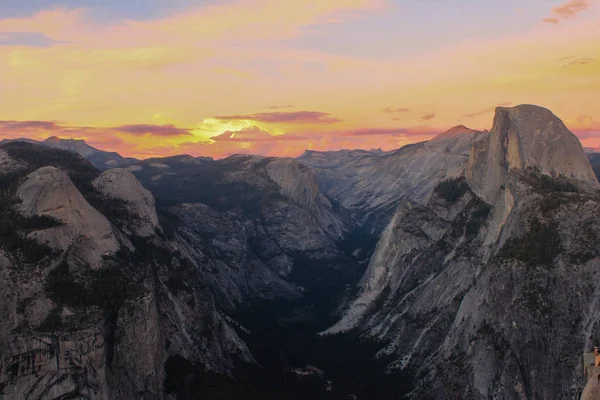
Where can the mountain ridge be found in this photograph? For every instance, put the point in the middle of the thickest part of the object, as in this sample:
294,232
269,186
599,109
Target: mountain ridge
460,286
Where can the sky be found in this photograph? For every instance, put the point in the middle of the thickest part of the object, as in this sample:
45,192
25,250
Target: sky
153,78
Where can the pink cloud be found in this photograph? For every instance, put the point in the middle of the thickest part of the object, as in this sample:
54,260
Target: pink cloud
567,10
551,20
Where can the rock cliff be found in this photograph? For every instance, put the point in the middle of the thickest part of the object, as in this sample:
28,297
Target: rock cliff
249,220
487,289
122,185
370,184
49,192
91,310
524,137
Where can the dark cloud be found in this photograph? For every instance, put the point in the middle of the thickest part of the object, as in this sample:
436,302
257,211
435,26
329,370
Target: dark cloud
419,131
428,117
395,110
580,61
567,10
152,130
297,117
33,39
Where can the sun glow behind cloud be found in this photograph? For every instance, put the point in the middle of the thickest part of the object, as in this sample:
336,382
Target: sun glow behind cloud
182,80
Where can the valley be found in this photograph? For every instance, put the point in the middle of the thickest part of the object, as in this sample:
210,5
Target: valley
461,267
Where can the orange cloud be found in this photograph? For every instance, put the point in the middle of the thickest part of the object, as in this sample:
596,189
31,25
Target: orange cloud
180,70
428,116
280,107
395,110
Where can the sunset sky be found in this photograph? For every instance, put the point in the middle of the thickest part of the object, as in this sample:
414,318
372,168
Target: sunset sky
275,77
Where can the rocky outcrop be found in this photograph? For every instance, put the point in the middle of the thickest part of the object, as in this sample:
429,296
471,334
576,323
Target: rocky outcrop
122,185
49,192
8,164
370,184
99,158
522,137
486,290
94,319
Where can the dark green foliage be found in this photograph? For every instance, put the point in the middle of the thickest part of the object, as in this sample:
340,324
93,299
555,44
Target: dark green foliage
495,337
477,217
81,171
14,226
23,304
39,222
190,381
538,247
452,190
107,288
548,184
168,220
176,284
53,321
207,184
553,201
284,336
346,360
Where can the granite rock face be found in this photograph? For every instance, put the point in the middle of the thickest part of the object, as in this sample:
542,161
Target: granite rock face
370,184
122,185
90,310
522,137
249,221
49,192
487,289
100,159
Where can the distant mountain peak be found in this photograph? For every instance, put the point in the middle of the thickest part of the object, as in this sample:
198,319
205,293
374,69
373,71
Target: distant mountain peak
521,137
58,140
52,139
458,130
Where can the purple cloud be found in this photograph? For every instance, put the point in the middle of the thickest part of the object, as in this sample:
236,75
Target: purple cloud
29,125
32,39
152,130
297,117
